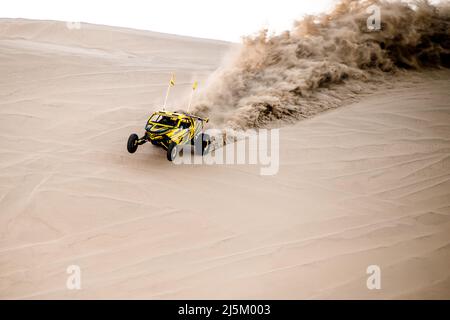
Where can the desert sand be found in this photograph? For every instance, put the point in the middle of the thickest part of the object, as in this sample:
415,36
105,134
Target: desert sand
364,184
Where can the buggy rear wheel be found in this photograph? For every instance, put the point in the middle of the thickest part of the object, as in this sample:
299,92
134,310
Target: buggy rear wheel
202,146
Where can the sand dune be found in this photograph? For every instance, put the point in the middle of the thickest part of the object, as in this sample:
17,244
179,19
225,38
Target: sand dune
365,184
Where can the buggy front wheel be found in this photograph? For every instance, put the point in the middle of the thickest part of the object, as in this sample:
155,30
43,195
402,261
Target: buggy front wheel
132,144
172,151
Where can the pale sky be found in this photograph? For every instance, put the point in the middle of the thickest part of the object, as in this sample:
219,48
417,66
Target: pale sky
224,20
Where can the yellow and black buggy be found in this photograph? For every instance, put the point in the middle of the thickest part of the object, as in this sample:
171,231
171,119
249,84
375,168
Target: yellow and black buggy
171,130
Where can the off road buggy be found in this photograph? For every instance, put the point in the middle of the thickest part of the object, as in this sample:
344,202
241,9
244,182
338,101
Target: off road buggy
170,130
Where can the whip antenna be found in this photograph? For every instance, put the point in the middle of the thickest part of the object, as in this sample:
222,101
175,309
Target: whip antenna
171,84
194,87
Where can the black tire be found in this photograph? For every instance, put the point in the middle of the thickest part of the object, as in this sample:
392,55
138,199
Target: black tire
172,151
200,148
132,145
206,143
